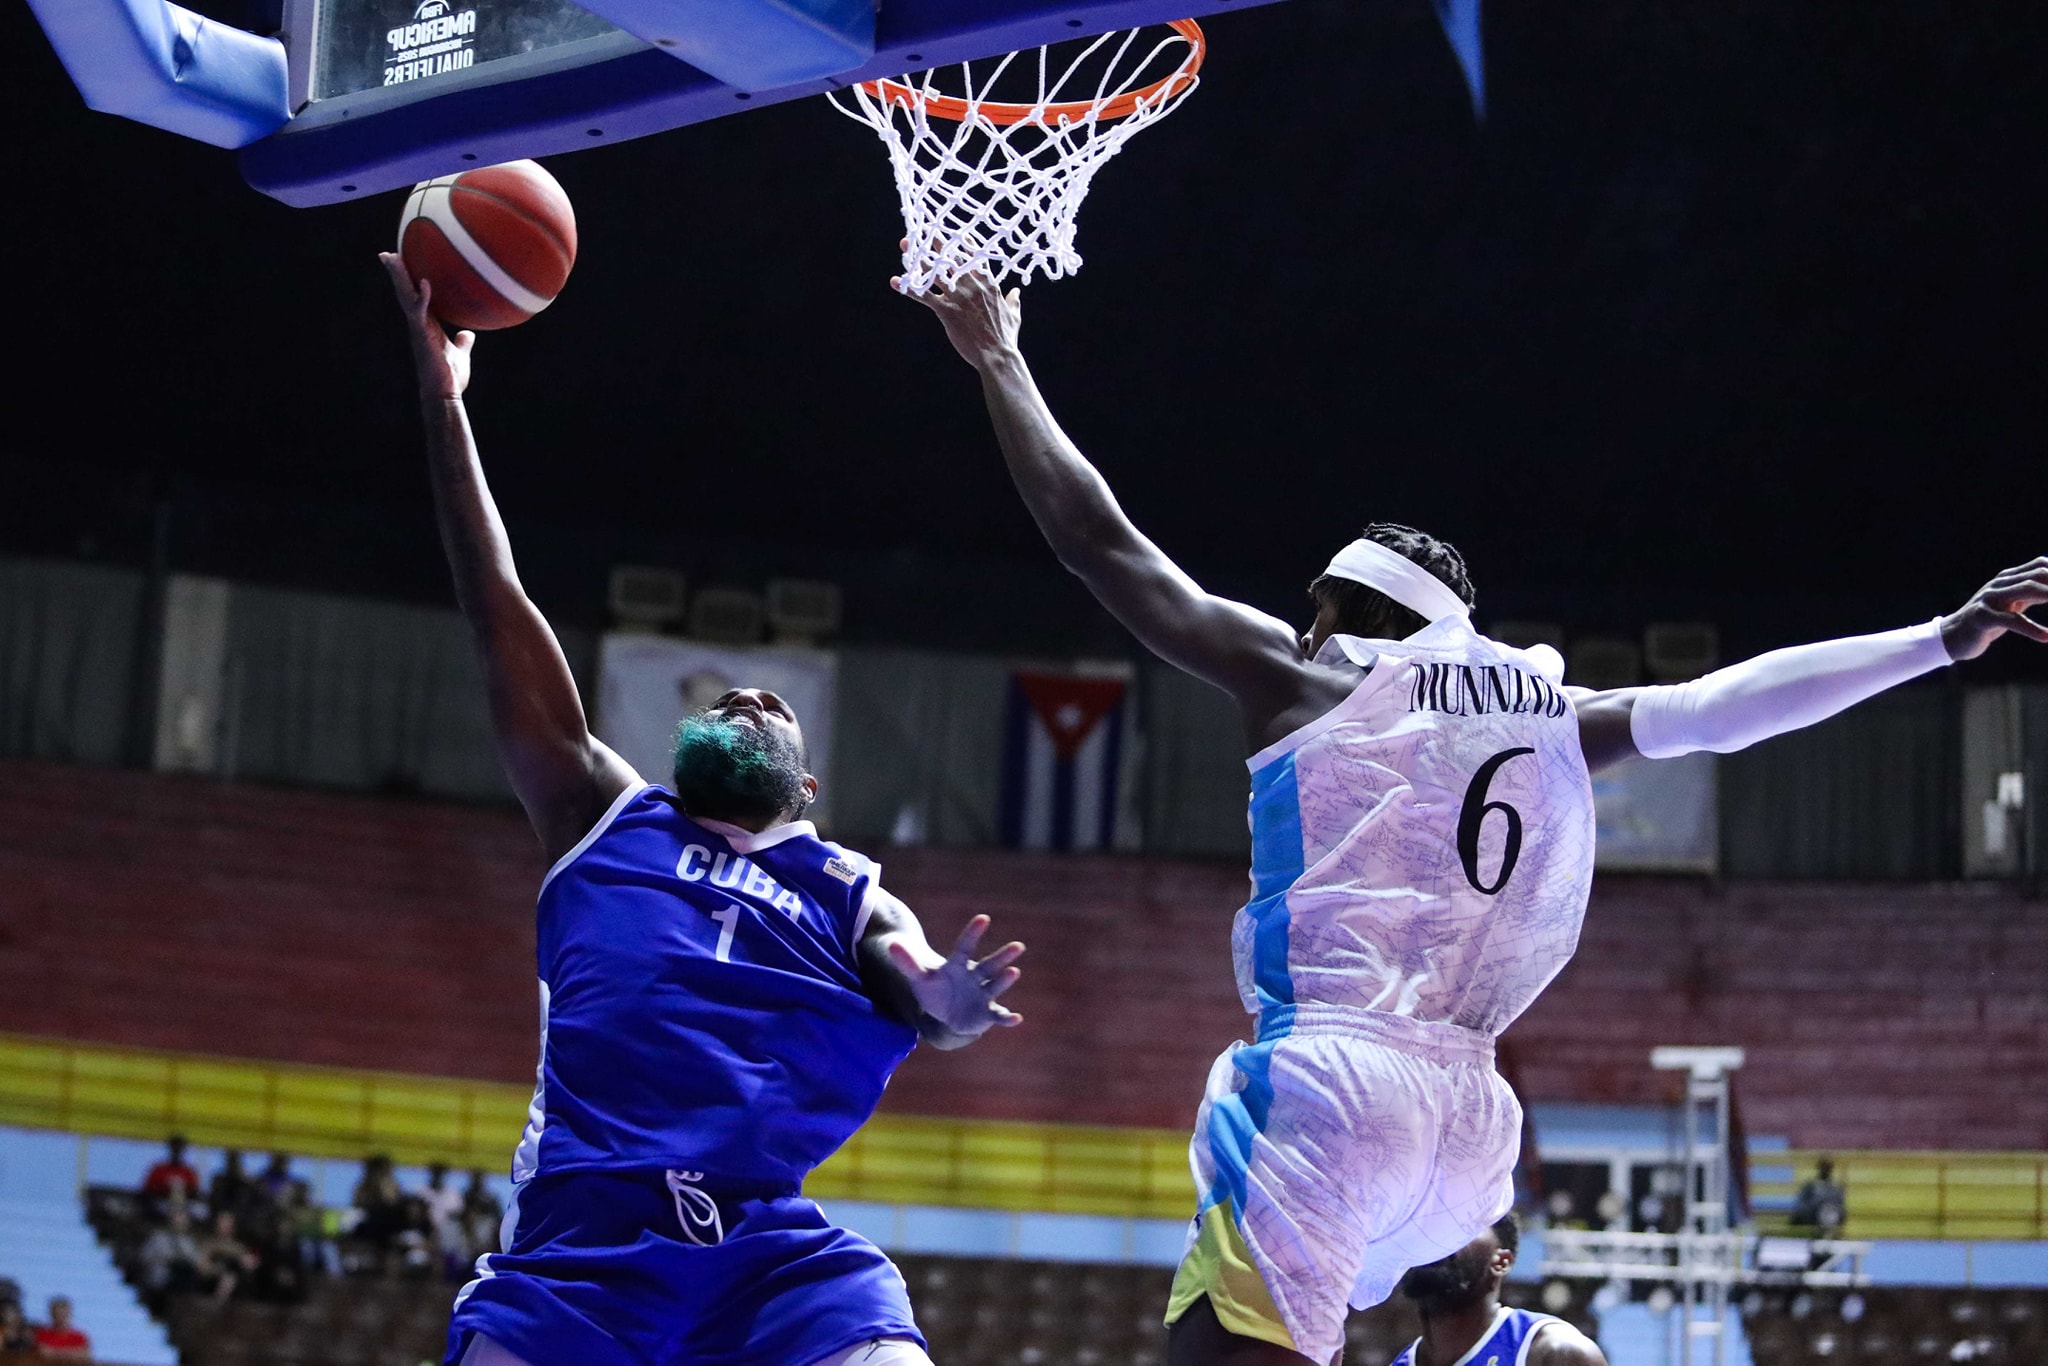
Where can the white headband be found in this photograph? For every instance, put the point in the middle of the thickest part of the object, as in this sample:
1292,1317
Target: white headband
1400,578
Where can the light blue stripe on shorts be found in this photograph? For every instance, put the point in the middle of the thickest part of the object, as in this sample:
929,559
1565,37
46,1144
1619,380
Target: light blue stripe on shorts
1277,865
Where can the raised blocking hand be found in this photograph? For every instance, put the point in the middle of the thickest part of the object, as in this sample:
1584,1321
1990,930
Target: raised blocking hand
959,991
981,321
1999,606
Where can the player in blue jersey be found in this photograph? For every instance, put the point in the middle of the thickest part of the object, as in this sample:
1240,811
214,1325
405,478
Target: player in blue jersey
1464,1323
723,997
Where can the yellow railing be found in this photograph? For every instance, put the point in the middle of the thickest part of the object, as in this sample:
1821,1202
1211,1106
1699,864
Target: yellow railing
896,1159
317,1111
987,1164
335,1112
1921,1194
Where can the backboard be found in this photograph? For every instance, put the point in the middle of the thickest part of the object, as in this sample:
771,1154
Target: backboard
389,92
355,97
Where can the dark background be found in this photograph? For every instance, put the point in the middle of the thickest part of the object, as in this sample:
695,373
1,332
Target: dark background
1726,311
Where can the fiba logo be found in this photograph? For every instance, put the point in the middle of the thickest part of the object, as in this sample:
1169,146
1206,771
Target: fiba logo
440,39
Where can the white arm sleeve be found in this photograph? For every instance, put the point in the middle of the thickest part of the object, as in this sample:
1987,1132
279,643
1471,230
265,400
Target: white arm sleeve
1784,690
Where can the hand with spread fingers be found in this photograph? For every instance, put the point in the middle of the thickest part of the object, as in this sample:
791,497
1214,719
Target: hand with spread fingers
1999,606
958,992
442,361
981,321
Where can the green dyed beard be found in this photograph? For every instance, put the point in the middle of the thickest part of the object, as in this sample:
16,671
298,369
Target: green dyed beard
729,771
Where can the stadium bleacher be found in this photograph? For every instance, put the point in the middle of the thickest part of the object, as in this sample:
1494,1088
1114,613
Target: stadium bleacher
396,934
1897,1327
975,1311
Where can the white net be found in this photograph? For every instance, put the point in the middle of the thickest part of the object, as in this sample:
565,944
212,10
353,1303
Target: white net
995,184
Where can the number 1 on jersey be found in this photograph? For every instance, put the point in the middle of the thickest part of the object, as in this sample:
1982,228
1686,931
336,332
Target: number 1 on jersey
728,921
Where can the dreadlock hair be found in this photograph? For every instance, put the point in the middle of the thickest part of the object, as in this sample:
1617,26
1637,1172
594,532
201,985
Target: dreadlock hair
1367,612
1508,1231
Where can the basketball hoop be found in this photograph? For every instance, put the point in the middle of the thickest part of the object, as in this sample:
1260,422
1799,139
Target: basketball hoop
994,185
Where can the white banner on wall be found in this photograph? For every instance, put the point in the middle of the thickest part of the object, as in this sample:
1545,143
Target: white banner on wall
1658,816
192,675
647,684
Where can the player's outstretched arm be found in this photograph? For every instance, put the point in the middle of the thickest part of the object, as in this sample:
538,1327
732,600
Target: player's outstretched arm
1788,689
951,998
564,776
1254,657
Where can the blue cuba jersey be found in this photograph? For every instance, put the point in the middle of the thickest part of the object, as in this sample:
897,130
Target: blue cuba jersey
1507,1343
701,1005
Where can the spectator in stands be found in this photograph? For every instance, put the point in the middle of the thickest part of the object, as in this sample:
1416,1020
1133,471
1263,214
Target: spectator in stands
172,1180
444,1216
1821,1205
225,1261
232,1192
314,1227
15,1334
379,1202
414,1245
281,1265
171,1259
277,1181
479,1203
60,1337
482,1216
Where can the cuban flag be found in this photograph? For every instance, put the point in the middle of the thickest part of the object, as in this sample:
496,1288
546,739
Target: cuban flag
1062,749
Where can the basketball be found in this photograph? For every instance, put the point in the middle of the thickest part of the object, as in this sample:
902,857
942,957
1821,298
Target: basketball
497,243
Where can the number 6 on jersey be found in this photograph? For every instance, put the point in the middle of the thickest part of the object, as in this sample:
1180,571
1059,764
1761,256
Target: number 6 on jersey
1472,816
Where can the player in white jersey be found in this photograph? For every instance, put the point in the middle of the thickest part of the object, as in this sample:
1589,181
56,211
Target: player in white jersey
1422,852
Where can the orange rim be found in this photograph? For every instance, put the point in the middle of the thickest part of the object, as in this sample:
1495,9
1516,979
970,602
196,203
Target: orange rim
1123,106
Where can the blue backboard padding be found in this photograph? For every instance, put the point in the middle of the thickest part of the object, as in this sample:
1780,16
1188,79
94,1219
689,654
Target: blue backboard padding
165,66
752,44
644,92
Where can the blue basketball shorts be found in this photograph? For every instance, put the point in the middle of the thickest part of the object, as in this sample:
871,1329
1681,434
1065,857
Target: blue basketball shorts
652,1268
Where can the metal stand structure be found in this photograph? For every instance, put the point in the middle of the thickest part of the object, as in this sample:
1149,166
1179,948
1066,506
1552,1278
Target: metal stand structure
1705,1251
1708,1256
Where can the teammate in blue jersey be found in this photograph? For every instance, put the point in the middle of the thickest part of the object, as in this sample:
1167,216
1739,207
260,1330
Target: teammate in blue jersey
1464,1323
723,997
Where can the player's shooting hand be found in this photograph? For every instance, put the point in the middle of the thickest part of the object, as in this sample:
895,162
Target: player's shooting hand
980,320
959,991
442,361
1998,607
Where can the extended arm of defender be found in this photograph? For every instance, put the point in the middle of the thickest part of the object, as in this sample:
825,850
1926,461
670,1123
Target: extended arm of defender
564,776
1248,654
951,998
1789,689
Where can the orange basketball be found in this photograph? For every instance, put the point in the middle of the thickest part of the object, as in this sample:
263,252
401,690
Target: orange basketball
497,243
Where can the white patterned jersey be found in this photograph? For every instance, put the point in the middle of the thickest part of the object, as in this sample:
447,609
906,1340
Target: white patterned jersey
1424,848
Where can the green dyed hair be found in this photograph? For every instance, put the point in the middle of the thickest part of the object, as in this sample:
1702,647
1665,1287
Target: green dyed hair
723,769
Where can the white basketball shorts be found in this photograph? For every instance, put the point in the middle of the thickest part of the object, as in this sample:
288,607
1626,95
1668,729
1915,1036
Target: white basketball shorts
1342,1148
